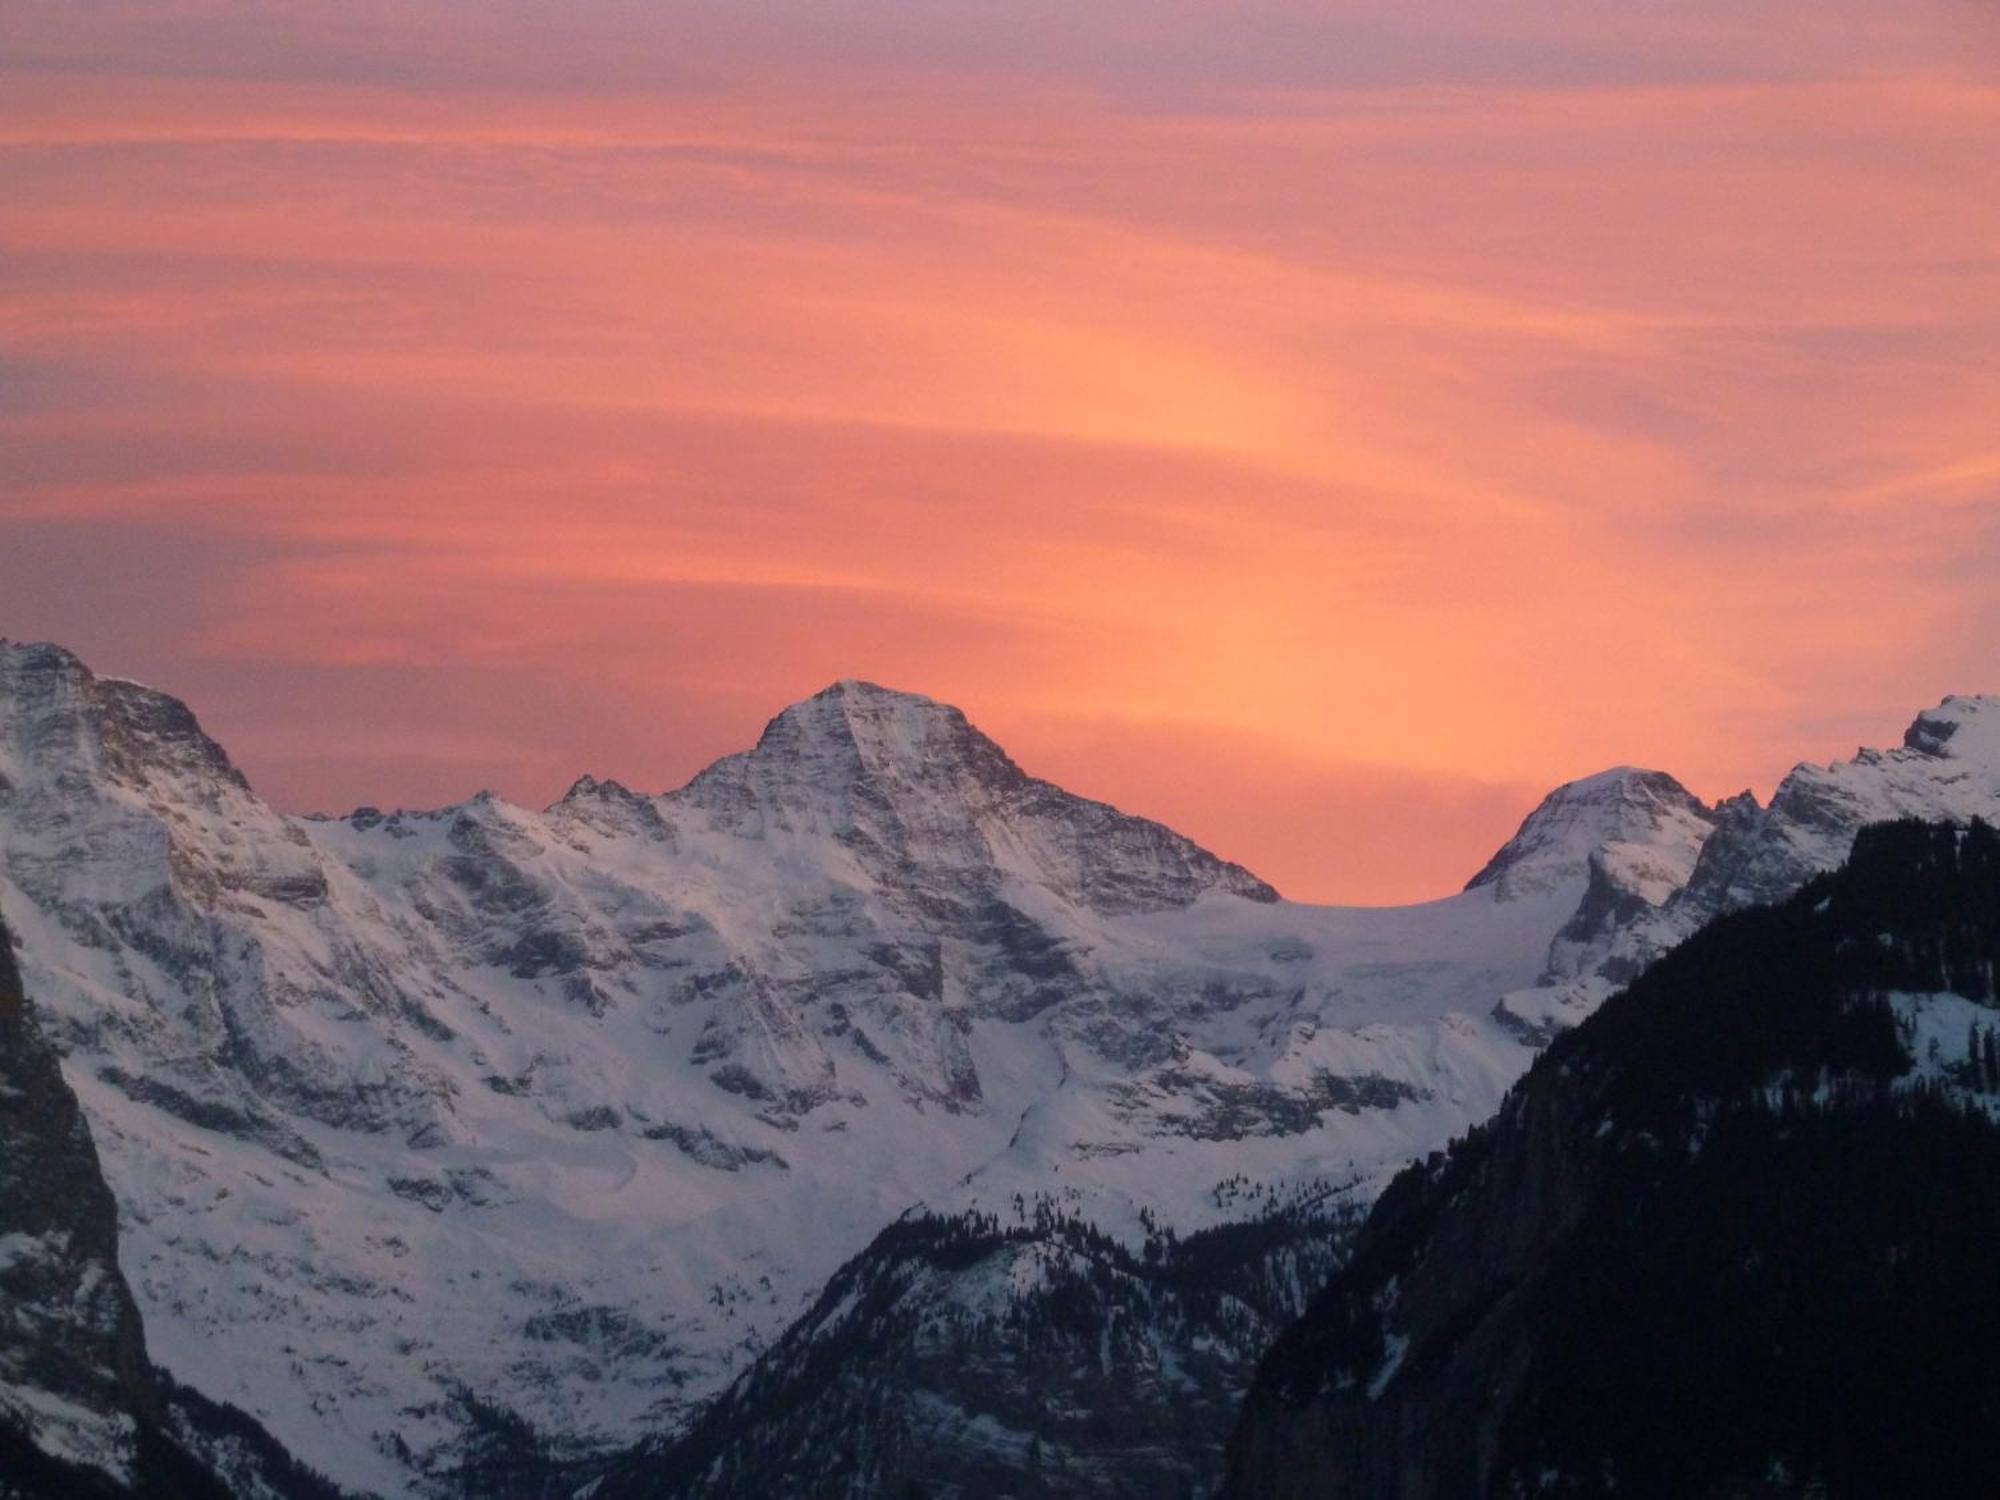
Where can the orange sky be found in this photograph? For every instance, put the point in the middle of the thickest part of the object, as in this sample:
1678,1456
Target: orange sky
1320,426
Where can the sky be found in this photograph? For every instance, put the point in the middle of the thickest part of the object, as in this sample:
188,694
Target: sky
1323,427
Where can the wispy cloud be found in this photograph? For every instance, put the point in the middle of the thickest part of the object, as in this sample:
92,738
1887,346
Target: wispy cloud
1444,398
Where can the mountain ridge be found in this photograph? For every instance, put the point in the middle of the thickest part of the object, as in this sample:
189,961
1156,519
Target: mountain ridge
1792,1112
556,1119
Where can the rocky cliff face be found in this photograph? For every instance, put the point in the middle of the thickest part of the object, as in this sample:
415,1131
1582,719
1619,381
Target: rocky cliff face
82,1410
1739,854
73,1374
1947,767
464,1141
1728,1237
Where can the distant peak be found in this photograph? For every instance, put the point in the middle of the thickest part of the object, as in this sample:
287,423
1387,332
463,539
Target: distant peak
849,736
909,783
1959,728
1556,840
882,725
588,787
29,656
66,712
861,688
1619,787
1619,781
855,694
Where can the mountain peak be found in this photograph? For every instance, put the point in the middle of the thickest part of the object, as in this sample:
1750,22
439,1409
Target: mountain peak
909,785
1555,843
855,731
1768,1115
587,786
861,689
1959,728
853,699
55,711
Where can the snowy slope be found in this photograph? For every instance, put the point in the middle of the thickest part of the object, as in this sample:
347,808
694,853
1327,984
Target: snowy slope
416,1118
1733,1236
1948,768
83,1411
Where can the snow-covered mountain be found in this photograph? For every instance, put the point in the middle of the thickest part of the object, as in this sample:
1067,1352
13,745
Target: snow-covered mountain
84,1414
1733,1235
1947,768
443,1135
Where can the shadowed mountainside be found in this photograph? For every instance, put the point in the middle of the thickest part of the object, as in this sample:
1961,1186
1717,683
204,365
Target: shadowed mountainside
1731,1236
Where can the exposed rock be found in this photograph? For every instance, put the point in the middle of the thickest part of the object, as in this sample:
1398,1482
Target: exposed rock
82,1410
1637,831
1731,1235
1948,768
391,1085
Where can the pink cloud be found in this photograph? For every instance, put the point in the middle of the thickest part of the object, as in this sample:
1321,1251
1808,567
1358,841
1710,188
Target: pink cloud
1423,409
